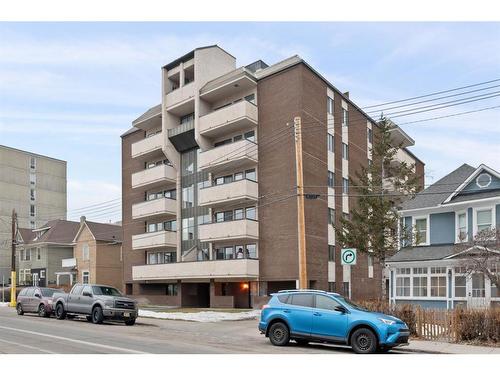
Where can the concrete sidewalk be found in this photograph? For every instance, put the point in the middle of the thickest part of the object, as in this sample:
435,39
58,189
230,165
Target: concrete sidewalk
447,348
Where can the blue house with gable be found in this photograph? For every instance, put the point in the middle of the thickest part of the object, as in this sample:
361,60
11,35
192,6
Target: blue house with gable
427,270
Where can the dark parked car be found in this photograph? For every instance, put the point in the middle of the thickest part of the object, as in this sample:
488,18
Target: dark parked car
35,300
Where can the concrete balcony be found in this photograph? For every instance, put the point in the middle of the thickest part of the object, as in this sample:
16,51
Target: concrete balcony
213,269
154,176
68,262
155,207
237,154
229,230
240,116
153,240
147,145
181,100
234,192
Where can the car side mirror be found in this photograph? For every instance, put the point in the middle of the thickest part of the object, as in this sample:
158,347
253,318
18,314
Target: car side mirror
37,295
87,294
341,309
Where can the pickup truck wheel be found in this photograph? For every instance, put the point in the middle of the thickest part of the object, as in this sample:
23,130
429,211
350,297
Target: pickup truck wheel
60,313
19,309
42,312
364,341
97,317
130,322
279,335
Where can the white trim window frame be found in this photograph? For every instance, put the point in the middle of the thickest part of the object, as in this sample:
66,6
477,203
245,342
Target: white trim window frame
458,238
427,230
86,273
475,211
403,274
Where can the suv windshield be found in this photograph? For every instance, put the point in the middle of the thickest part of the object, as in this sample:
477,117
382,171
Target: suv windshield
105,291
48,292
350,304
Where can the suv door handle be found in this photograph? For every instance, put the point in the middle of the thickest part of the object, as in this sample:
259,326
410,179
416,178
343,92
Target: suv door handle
287,311
317,314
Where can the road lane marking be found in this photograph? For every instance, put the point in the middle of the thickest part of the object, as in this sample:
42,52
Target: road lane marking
75,341
27,346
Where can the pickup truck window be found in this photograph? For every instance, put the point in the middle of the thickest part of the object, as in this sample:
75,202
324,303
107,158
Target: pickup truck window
77,289
105,291
87,289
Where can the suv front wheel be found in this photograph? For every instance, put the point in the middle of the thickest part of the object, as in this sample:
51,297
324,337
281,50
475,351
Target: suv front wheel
364,341
279,334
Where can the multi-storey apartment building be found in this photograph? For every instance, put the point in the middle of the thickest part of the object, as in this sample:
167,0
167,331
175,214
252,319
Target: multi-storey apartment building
33,185
209,179
430,270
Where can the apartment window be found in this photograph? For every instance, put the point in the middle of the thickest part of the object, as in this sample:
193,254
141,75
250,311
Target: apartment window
223,142
461,227
329,105
331,143
85,277
85,251
33,162
250,98
188,196
32,178
370,163
345,117
331,253
483,220
32,194
251,175
152,258
250,136
238,176
171,290
239,214
170,225
188,228
345,186
345,151
251,213
421,231
345,289
187,118
460,286
331,179
203,254
331,216
251,251
331,287
370,135
32,210
171,194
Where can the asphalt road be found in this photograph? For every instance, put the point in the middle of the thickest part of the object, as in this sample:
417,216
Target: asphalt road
30,334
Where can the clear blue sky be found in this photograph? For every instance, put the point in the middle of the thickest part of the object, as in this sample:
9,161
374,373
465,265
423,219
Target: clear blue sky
69,90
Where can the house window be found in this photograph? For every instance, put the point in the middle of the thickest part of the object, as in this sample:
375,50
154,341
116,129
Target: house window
85,251
331,179
370,135
28,254
331,144
32,224
85,277
331,253
42,274
331,216
32,210
483,220
345,186
403,286
171,290
460,286
461,227
420,286
329,105
438,285
421,231
345,151
38,254
345,117
483,180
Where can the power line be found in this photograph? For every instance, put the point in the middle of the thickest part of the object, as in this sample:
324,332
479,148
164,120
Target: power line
452,115
431,94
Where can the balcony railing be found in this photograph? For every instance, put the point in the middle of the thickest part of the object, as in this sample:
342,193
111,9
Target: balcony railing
182,128
147,145
224,269
233,192
155,207
240,116
243,152
156,175
229,230
153,240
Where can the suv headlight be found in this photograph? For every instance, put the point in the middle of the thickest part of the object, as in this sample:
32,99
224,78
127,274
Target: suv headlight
387,321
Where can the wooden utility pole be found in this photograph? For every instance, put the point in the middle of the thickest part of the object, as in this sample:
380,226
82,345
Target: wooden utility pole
13,278
301,230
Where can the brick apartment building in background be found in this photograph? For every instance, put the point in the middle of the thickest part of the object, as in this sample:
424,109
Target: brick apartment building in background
208,182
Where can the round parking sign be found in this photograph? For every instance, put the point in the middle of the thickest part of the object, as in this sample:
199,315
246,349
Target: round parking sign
348,257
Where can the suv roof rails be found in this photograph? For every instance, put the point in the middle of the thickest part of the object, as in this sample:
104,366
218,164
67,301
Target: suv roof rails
304,290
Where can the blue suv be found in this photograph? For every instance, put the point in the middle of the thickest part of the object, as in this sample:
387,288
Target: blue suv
316,316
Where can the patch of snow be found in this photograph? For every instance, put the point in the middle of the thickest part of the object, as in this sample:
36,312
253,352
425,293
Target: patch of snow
4,304
202,316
